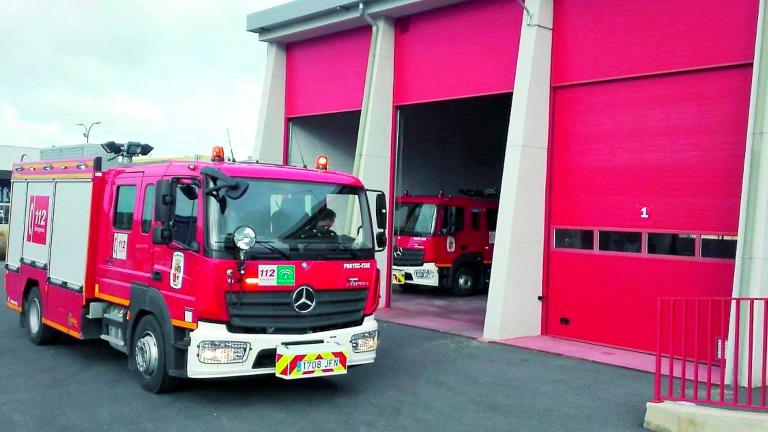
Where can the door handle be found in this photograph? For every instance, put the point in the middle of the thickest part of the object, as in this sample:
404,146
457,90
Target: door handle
156,276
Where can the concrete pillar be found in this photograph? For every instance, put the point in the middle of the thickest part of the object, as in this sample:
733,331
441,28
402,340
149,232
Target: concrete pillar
516,280
751,274
270,127
374,139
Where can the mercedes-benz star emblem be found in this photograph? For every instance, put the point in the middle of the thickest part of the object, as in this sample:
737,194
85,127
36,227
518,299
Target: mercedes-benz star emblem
303,299
398,252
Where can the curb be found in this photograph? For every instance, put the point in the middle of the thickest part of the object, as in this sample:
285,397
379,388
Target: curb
686,417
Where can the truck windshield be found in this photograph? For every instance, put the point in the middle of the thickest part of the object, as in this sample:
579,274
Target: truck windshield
415,219
294,220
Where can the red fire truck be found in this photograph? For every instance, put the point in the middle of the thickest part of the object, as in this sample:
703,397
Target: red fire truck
444,241
198,269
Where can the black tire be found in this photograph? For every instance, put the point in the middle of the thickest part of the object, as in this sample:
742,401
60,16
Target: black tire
465,281
147,357
39,333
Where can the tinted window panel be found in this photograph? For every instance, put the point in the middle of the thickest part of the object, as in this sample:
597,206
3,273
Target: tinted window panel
184,223
672,244
491,216
126,196
620,241
458,213
475,219
574,239
718,246
146,212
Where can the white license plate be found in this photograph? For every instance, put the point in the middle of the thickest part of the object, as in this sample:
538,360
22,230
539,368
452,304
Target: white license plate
307,361
316,365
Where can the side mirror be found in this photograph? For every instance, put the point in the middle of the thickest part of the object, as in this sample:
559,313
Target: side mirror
381,211
164,201
161,235
381,240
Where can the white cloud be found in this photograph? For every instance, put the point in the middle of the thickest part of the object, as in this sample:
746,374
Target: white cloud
17,131
174,74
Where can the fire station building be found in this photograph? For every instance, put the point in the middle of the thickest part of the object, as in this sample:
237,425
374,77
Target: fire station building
626,139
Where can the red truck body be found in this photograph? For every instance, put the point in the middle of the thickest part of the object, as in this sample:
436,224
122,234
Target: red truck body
209,304
444,241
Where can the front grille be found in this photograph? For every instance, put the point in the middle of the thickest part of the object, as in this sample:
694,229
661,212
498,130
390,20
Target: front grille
408,257
273,312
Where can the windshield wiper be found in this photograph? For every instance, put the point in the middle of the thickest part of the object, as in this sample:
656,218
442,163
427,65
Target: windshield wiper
268,245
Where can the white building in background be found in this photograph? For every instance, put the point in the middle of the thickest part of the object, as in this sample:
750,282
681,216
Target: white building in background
8,156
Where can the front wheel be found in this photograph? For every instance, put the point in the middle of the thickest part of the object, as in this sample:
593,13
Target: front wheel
38,333
465,281
148,357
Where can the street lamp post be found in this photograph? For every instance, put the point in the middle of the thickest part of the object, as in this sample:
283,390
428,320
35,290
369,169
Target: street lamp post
87,130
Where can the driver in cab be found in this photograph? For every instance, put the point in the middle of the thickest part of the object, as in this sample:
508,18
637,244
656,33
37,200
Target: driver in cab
321,229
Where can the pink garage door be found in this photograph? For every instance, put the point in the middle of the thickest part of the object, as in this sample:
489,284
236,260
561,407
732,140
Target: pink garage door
327,74
649,126
469,49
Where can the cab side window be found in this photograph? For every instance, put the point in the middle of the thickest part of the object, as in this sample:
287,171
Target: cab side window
475,219
184,223
124,204
453,219
491,216
149,205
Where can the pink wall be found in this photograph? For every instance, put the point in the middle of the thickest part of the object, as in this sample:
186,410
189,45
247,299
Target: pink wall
327,74
599,39
469,49
673,143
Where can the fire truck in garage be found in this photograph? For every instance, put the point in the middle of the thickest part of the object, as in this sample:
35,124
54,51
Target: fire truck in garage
444,241
198,269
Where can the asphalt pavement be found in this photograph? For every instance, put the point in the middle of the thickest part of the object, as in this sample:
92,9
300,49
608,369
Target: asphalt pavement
422,381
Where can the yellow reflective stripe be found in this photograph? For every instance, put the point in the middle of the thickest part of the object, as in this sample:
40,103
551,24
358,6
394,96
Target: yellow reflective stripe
183,324
283,363
61,328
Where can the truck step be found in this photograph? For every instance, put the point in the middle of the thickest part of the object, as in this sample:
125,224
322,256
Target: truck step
113,340
114,317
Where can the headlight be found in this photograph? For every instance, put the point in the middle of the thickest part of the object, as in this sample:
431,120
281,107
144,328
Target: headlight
221,352
244,237
363,342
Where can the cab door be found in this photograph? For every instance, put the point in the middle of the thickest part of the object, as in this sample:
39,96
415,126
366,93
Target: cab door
174,264
143,245
121,264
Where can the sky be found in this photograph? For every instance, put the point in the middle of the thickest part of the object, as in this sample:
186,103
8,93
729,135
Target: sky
170,73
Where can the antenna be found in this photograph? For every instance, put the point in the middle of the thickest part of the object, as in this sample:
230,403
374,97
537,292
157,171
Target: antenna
232,153
301,153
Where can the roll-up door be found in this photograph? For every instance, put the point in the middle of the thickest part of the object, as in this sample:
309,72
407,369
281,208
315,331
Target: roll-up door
465,50
37,232
16,223
327,74
69,237
649,123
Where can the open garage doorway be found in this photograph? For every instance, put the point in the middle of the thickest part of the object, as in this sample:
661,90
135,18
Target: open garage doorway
449,163
333,135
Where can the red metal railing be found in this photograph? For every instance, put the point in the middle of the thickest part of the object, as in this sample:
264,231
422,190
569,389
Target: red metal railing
696,362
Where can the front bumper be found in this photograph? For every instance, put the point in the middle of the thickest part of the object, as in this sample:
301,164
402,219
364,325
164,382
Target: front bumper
425,274
210,331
